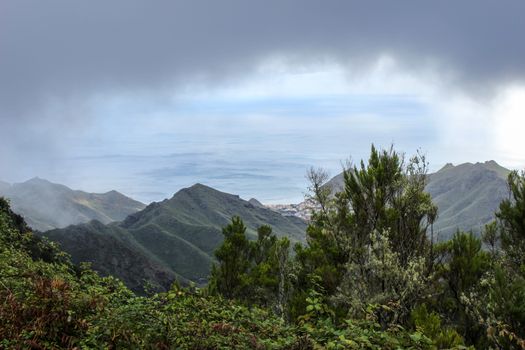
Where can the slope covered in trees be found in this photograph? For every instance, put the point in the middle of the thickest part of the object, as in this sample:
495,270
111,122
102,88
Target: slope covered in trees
170,240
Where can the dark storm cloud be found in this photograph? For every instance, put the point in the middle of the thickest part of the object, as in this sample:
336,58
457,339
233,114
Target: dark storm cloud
62,49
59,58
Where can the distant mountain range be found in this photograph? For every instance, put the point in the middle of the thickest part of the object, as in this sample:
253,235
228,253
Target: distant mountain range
46,205
175,239
467,196
168,240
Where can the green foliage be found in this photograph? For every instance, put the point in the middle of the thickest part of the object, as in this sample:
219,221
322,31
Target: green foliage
255,272
498,302
366,241
184,319
269,272
229,278
429,324
45,302
369,247
364,333
511,215
385,282
484,295
387,196
467,263
504,310
491,238
51,305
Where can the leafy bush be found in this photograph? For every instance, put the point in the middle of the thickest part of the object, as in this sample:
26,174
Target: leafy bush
429,324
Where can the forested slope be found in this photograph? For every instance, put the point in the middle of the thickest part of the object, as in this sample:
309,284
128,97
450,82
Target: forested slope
170,240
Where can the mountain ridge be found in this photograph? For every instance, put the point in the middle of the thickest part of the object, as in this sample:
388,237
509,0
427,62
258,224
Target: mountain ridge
47,205
174,238
467,195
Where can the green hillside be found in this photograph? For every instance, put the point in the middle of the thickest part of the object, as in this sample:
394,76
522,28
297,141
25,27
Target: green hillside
113,251
467,196
47,205
171,239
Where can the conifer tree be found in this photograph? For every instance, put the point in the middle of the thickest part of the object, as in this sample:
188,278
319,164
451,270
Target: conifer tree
229,276
372,231
511,216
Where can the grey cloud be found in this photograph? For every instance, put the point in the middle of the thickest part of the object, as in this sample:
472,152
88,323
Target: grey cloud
57,54
64,49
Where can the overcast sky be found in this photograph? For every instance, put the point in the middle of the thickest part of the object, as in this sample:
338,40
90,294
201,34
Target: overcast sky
146,97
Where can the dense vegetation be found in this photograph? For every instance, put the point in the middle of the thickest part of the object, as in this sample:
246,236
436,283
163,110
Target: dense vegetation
369,276
46,302
371,255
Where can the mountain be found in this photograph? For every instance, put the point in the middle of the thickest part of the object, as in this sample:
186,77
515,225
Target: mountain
46,205
467,196
255,203
172,239
337,183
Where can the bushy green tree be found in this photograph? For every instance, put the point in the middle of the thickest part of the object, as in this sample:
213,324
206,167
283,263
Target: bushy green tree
465,265
511,216
229,277
384,285
371,232
430,324
255,272
269,271
387,196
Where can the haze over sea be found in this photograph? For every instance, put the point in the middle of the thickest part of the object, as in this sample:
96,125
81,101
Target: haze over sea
262,149
255,146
